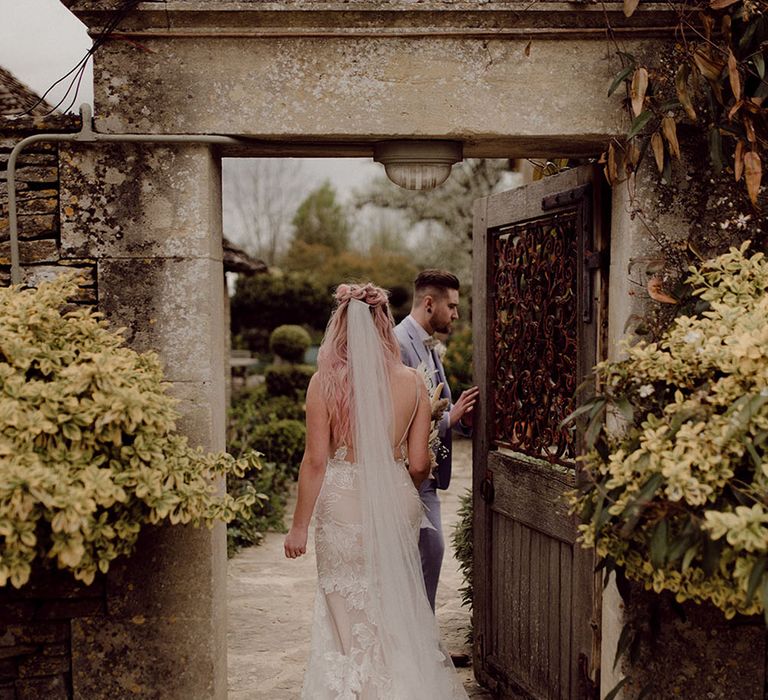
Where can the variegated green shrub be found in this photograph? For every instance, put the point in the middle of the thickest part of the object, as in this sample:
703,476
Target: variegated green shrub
679,499
88,448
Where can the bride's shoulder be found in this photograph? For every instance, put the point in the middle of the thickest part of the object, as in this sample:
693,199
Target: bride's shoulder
404,371
404,374
314,384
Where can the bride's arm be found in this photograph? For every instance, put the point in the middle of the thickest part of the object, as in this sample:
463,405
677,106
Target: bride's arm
418,439
312,470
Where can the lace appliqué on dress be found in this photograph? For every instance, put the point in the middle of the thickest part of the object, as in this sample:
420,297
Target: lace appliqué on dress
345,661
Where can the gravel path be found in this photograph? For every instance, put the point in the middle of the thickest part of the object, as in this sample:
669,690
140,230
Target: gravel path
271,598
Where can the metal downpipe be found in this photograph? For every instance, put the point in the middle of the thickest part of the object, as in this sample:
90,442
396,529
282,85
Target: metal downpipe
85,135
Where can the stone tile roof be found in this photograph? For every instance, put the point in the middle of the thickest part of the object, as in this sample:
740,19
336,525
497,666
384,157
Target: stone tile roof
15,97
237,260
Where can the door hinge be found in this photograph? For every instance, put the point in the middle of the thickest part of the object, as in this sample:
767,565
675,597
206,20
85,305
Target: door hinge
487,491
563,199
593,260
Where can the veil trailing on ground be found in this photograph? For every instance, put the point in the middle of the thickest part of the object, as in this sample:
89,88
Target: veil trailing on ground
407,627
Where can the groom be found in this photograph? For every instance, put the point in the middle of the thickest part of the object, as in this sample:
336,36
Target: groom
435,308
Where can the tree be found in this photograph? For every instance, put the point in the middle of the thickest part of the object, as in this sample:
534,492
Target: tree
320,220
260,195
441,218
263,302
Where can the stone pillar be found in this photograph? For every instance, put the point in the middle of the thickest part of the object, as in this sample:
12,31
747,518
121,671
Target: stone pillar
150,217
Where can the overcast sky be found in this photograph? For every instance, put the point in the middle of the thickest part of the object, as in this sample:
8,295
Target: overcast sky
40,41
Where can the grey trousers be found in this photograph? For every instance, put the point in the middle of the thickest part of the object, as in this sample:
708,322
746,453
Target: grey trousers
431,544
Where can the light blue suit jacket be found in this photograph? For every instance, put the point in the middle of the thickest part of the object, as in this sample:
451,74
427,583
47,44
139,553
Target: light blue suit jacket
413,352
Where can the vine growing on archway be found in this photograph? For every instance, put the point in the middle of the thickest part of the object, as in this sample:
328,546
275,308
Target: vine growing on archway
698,111
719,85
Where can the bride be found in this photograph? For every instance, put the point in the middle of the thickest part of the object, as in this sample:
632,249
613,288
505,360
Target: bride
368,416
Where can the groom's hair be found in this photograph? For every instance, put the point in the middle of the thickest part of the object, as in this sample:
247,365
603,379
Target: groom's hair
434,282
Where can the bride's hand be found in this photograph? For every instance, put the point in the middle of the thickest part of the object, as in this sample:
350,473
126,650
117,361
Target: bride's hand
295,543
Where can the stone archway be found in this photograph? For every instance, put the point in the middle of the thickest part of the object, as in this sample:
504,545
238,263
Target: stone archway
297,77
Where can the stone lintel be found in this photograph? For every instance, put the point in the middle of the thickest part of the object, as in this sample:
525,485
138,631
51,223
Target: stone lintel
361,18
500,98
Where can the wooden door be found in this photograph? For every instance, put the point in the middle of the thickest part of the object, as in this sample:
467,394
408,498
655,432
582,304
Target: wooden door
537,299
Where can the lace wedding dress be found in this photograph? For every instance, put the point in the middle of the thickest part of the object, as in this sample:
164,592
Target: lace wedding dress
374,635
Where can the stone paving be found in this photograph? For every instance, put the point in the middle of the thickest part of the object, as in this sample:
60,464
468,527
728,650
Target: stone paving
271,599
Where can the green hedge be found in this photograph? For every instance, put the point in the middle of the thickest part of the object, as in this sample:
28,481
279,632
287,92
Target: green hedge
267,514
288,380
273,426
281,442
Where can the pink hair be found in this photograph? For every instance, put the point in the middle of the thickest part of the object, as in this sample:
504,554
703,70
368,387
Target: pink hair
332,356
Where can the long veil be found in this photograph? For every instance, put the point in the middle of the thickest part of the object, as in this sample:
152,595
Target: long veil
405,622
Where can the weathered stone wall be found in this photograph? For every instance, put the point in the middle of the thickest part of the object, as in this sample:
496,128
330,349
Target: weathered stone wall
36,625
36,621
691,651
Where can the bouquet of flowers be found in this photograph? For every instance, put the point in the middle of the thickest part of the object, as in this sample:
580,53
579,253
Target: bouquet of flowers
438,405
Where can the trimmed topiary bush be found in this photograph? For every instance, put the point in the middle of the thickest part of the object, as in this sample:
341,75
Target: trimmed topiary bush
289,342
88,448
288,380
251,410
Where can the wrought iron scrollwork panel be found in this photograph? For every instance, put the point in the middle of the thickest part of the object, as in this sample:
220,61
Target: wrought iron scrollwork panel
534,277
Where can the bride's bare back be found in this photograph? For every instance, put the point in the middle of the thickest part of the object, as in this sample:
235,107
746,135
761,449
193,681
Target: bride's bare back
411,418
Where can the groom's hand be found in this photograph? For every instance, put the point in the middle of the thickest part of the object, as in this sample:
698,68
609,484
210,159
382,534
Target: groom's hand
464,406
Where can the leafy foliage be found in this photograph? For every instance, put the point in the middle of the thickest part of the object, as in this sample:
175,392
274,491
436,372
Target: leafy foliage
392,270
88,448
718,87
281,442
289,342
273,426
251,410
679,500
320,220
463,546
267,513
